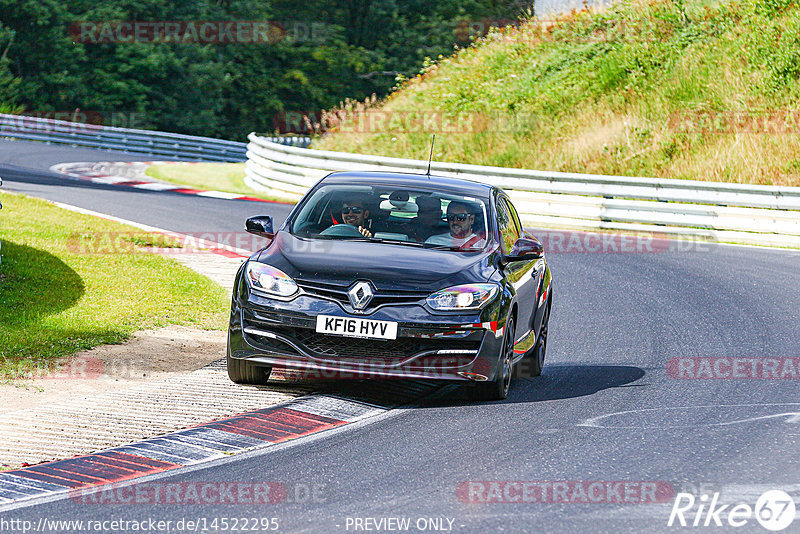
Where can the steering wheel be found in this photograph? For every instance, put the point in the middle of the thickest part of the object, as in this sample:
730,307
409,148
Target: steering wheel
341,230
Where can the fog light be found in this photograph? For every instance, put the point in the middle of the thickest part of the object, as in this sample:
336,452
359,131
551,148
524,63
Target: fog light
475,377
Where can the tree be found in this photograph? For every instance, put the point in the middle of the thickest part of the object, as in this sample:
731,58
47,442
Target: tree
329,50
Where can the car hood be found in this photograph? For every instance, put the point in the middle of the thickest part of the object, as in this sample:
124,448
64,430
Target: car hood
385,265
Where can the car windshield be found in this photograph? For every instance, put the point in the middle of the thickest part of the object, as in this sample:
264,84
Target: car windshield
397,215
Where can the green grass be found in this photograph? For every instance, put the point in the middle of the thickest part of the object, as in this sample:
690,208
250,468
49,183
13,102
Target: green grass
59,295
227,177
653,88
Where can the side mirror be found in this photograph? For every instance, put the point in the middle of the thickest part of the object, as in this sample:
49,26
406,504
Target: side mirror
260,225
525,249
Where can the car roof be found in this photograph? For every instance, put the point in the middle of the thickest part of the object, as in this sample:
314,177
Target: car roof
438,183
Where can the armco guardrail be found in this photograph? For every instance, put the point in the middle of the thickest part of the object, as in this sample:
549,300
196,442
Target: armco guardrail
733,213
1,244
152,143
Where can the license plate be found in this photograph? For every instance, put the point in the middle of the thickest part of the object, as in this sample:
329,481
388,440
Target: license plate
356,327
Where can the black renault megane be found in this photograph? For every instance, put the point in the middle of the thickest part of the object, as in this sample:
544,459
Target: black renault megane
393,275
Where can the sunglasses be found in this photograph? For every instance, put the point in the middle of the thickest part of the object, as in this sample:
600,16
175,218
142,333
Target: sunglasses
460,217
351,209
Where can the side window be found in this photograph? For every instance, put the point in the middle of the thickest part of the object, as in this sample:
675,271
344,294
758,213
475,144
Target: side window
507,224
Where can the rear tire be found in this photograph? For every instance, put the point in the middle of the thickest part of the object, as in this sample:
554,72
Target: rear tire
244,372
497,389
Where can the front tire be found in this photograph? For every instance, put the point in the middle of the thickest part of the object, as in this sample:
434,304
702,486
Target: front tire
539,351
498,388
244,372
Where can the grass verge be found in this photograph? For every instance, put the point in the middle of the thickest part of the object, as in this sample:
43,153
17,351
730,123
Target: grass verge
227,177
668,88
70,282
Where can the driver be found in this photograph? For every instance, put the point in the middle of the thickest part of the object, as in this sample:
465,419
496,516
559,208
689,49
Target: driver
355,213
461,234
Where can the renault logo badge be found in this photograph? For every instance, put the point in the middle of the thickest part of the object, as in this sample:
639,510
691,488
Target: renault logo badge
360,294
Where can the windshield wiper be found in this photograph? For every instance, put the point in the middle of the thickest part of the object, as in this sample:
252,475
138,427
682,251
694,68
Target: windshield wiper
370,239
451,247
395,241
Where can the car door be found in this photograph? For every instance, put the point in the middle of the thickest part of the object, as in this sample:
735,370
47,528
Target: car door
539,271
521,274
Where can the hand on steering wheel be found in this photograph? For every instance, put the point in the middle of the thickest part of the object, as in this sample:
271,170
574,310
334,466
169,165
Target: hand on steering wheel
346,230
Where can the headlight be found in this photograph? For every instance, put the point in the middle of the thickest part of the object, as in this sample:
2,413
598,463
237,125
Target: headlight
466,297
269,280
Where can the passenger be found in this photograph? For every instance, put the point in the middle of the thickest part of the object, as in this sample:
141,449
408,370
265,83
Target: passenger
461,234
429,215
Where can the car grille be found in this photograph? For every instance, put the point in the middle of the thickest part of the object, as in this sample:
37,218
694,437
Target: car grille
356,350
338,292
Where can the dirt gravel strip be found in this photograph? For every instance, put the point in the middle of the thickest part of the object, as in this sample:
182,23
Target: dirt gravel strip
219,268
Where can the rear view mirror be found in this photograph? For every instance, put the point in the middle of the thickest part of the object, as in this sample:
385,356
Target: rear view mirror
525,249
260,225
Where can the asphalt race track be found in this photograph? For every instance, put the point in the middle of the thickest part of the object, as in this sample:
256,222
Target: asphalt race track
616,418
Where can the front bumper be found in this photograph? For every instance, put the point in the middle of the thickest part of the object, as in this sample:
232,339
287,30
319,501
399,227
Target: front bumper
445,347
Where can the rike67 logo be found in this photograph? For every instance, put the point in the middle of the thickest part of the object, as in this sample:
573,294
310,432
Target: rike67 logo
774,510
